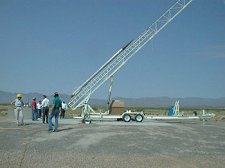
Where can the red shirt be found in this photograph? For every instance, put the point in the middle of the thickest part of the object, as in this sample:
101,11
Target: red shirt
33,105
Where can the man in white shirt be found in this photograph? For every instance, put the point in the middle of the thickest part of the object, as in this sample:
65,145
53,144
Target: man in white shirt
63,109
45,106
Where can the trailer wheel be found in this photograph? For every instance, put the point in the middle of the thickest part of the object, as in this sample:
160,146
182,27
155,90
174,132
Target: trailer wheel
195,113
139,118
126,118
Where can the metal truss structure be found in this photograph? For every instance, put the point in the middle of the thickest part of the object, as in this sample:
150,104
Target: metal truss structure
82,94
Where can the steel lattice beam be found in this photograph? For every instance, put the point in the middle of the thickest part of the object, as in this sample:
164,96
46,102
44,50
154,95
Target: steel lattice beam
82,94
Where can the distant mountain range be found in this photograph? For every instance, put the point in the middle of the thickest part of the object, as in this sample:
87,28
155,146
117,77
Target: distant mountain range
190,102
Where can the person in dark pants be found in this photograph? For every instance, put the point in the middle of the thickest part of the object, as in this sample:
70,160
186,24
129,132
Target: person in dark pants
57,105
64,108
45,106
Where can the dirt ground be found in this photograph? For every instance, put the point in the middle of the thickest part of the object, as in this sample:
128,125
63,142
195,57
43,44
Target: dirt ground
155,144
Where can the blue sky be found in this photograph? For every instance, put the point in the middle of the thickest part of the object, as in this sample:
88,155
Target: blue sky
55,45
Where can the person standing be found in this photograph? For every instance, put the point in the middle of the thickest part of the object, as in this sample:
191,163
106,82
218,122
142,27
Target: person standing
18,102
45,105
39,109
57,104
34,109
63,110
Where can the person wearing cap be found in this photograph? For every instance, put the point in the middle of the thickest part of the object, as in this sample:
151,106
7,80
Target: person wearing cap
18,102
34,109
54,112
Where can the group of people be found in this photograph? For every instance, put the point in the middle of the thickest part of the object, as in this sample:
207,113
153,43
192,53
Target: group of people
37,108
41,109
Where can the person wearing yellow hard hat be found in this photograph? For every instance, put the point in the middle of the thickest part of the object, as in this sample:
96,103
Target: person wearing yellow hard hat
18,102
19,95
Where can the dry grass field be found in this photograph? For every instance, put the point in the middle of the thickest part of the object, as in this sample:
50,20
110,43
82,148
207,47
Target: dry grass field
3,109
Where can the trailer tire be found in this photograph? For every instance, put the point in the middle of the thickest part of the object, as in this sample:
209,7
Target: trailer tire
139,118
126,118
195,113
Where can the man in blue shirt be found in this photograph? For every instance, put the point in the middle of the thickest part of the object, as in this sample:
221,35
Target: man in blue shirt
54,112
